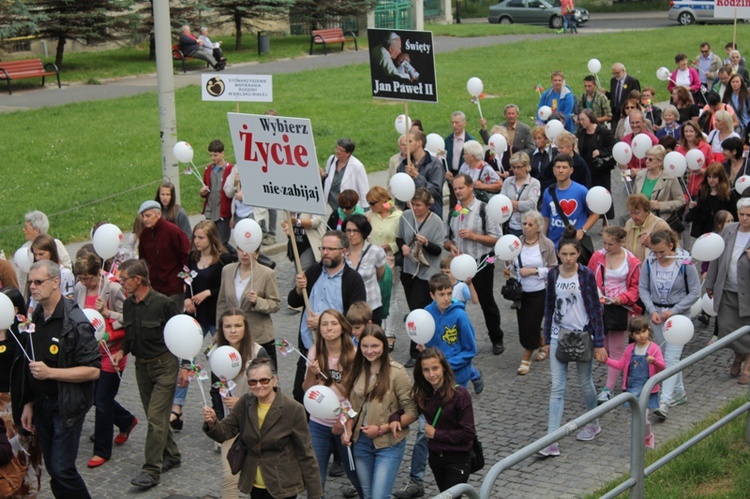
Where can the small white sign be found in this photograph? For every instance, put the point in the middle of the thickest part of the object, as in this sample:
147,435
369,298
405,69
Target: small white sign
277,162
727,9
241,88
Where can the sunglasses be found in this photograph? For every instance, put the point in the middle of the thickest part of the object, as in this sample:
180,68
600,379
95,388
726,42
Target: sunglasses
39,282
262,381
372,203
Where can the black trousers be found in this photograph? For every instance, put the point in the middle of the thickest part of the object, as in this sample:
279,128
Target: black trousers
450,468
483,282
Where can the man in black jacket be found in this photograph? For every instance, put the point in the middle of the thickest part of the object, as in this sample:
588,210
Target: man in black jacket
190,46
620,87
329,284
57,389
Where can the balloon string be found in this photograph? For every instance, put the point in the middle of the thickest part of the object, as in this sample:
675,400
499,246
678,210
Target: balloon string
194,171
682,183
111,359
31,344
19,344
203,393
349,451
479,106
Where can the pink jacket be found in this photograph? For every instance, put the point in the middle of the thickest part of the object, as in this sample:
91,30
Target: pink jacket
695,80
630,297
623,364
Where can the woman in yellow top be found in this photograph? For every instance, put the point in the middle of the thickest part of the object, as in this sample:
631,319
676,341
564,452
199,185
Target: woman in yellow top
380,392
280,461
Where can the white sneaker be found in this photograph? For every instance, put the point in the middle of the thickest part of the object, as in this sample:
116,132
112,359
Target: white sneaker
661,412
589,432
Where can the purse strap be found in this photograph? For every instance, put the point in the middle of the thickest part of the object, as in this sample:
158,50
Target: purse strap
560,212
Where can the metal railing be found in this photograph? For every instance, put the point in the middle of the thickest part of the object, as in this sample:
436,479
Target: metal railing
638,472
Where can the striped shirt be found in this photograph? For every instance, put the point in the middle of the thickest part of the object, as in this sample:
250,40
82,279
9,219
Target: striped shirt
472,221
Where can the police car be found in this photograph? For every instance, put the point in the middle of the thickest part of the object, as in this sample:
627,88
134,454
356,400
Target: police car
688,12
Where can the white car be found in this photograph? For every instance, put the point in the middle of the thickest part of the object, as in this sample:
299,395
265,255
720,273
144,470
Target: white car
688,12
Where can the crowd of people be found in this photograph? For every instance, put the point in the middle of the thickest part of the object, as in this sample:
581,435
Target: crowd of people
620,295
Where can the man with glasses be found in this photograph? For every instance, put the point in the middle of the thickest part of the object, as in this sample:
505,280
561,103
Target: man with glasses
707,64
145,313
637,125
329,284
57,389
620,87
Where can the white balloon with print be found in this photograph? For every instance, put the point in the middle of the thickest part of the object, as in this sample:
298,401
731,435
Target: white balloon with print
322,402
225,361
741,184
183,336
553,128
708,247
435,144
663,73
678,330
463,267
640,144
475,86
500,208
508,247
248,235
622,152
402,186
675,164
97,320
107,241
420,326
7,312
402,124
498,143
23,259
599,200
695,159
183,152
544,113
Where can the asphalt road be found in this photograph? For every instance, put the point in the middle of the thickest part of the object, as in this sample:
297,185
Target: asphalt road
615,21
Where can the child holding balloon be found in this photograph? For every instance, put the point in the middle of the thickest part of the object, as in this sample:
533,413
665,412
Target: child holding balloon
641,360
233,330
329,358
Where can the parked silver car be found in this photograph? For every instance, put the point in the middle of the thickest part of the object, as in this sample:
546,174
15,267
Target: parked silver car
544,12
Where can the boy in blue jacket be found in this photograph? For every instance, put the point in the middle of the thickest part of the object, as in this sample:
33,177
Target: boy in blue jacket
454,334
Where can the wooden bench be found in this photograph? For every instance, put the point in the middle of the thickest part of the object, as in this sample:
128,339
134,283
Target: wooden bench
27,68
177,55
332,35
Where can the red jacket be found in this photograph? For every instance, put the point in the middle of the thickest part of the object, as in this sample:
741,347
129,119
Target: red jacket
225,210
696,176
165,248
630,297
623,363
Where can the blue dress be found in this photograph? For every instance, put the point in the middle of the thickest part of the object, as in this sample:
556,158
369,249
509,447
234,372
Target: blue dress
637,377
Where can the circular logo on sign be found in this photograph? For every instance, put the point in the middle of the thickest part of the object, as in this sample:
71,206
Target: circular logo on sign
215,87
53,349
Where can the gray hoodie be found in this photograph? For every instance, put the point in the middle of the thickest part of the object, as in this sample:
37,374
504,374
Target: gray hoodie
681,298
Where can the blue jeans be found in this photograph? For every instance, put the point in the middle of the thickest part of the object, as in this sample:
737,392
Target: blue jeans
419,453
324,442
377,468
560,383
60,449
672,354
180,393
109,413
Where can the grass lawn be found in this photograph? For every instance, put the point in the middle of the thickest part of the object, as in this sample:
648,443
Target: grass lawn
66,157
717,467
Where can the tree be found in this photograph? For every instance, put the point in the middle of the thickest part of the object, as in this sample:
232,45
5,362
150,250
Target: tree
246,14
323,13
87,21
16,20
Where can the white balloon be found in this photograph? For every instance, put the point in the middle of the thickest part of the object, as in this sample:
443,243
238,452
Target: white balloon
7,312
402,186
475,86
508,247
107,240
626,126
97,320
696,309
707,305
695,159
463,267
420,325
663,73
498,143
183,152
544,113
499,208
640,144
741,184
553,128
708,247
594,66
599,200
403,124
622,152
435,143
675,164
248,235
225,361
678,330
322,402
23,259
183,336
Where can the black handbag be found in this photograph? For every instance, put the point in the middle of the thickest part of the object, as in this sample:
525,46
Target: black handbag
574,346
512,289
238,451
477,455
675,222
615,318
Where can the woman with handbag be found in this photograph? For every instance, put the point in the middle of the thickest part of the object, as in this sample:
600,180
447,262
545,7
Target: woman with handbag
595,143
487,182
669,285
663,190
380,392
447,409
273,435
572,315
420,236
522,189
617,273
368,260
234,331
531,267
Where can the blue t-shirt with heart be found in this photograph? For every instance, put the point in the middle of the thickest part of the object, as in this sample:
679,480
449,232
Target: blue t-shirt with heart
573,203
